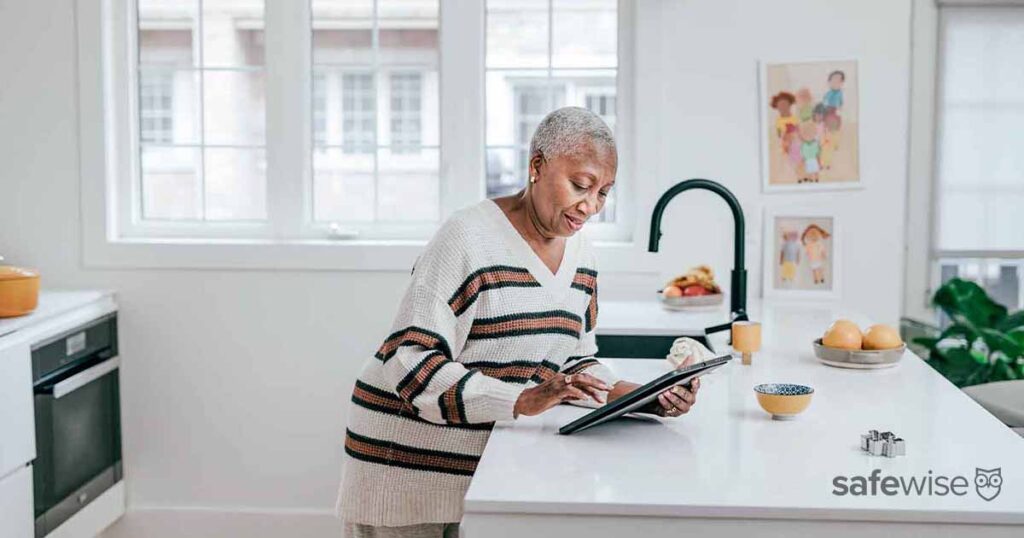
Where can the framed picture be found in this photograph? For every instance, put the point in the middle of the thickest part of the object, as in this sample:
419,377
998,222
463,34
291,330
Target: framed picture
801,254
810,126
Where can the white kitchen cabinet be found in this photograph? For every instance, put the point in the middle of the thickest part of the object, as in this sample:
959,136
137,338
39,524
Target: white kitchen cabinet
16,519
17,417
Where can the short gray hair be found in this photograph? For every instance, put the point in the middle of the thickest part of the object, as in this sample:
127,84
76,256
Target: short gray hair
569,130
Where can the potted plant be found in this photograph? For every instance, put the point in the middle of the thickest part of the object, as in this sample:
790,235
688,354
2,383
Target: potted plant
983,342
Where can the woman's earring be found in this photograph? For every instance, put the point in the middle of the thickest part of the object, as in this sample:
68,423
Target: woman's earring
533,179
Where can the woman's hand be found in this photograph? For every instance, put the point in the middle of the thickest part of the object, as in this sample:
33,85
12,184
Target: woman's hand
536,400
677,400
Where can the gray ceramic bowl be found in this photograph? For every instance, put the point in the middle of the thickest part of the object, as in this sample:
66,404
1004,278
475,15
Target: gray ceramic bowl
863,359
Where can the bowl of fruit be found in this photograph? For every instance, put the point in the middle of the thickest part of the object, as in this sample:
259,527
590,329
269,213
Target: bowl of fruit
846,346
696,289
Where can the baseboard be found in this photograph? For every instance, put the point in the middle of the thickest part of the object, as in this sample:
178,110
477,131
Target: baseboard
224,523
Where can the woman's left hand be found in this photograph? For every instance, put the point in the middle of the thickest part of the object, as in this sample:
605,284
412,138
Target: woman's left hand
677,400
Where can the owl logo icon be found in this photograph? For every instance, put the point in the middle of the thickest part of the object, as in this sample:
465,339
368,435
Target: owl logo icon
988,482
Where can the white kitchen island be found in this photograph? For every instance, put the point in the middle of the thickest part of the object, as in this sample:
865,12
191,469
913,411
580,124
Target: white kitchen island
728,469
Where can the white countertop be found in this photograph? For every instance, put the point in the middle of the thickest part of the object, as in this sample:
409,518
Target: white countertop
52,303
727,458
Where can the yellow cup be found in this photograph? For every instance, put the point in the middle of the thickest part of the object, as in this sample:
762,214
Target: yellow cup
746,338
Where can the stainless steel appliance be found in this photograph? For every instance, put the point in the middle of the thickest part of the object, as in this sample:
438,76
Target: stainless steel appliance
78,420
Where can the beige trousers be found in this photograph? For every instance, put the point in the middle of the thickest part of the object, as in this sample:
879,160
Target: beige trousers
423,530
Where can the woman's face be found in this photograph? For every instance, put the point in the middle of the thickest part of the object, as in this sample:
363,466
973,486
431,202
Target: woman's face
570,189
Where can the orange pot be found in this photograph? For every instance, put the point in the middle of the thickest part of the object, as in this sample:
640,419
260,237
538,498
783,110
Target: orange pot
19,291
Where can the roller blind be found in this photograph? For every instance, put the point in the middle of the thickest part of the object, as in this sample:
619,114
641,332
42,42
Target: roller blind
980,139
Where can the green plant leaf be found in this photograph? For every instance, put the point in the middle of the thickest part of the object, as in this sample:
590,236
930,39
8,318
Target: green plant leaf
966,303
1011,322
998,341
961,368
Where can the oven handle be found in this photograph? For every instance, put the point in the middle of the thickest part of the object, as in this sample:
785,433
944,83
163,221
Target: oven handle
85,377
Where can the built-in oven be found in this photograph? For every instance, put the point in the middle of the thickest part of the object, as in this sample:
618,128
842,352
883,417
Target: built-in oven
78,420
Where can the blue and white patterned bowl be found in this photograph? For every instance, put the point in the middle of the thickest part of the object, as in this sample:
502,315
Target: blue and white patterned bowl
783,389
783,400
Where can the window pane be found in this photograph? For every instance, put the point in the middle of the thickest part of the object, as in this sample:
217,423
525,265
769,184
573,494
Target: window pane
406,107
980,165
408,184
375,95
503,89
1003,280
235,181
343,185
584,33
342,32
171,184
593,89
503,172
408,32
517,33
358,112
165,32
319,108
584,54
232,33
168,108
233,107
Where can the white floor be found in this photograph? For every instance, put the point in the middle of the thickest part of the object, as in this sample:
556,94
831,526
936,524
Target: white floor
213,524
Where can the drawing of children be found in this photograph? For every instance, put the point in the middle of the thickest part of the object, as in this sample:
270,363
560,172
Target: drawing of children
783,103
834,96
813,238
833,126
789,255
804,104
792,142
809,151
818,117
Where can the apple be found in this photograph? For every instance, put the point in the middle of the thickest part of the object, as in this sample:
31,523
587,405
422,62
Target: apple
695,290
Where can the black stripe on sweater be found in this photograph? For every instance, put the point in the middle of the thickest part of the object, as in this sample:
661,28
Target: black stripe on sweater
412,336
394,454
580,366
385,402
489,278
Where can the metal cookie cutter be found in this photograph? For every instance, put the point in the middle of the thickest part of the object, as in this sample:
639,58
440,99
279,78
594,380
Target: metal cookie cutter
882,444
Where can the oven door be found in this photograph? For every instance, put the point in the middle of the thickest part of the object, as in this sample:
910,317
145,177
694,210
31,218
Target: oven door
78,441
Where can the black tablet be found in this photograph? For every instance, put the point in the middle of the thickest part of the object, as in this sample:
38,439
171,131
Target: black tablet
643,395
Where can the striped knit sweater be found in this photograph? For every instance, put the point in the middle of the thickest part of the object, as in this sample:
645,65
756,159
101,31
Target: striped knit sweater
482,319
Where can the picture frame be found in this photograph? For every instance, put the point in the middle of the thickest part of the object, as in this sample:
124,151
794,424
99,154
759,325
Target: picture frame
786,167
810,269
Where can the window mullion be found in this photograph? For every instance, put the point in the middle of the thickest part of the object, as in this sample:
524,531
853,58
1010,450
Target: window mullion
289,108
462,104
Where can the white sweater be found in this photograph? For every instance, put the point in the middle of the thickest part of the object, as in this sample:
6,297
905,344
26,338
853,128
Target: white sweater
483,319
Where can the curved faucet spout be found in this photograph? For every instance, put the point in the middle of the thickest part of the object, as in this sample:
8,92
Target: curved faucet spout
738,302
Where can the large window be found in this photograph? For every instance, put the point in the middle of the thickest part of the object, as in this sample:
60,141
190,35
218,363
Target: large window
322,119
979,232
542,55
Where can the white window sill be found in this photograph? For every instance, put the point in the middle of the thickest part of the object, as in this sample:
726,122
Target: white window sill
305,255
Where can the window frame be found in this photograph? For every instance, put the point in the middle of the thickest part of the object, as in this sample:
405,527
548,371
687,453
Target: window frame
114,237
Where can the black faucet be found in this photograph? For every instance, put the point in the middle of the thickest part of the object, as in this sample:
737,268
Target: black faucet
738,299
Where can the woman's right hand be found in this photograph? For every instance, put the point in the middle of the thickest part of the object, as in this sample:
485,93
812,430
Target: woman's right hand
558,389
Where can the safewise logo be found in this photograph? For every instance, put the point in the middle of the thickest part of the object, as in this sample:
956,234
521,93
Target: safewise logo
987,484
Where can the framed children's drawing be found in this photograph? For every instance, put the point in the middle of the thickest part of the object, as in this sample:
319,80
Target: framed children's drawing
801,254
810,126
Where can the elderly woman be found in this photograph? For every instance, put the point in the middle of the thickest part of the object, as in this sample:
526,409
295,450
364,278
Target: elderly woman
498,322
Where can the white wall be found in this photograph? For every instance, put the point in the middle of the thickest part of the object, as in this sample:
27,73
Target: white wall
235,383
